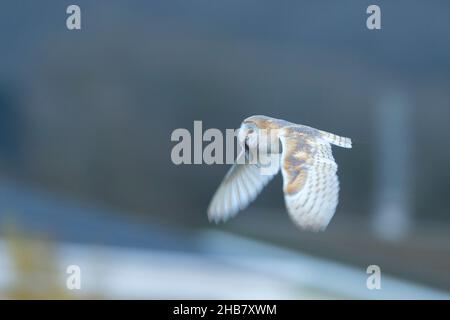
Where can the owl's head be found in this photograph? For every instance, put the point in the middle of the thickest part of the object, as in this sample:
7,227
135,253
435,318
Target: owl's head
248,135
260,133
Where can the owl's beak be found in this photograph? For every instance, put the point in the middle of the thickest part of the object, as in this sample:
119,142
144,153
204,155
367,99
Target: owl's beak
242,139
242,135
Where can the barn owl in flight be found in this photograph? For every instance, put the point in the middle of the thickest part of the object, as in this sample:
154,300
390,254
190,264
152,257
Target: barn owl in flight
310,183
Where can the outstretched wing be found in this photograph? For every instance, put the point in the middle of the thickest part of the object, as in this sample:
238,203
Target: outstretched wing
241,185
310,182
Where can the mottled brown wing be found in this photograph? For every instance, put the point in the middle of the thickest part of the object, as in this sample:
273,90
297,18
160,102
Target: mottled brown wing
310,182
239,188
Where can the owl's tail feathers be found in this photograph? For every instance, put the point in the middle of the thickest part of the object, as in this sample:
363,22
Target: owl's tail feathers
336,140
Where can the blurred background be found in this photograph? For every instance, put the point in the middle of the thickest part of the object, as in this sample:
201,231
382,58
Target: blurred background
86,176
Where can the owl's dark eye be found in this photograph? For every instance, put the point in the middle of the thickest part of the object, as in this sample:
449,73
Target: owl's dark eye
250,131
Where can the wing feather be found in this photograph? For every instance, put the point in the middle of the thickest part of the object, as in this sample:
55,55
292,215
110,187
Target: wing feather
241,185
310,182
